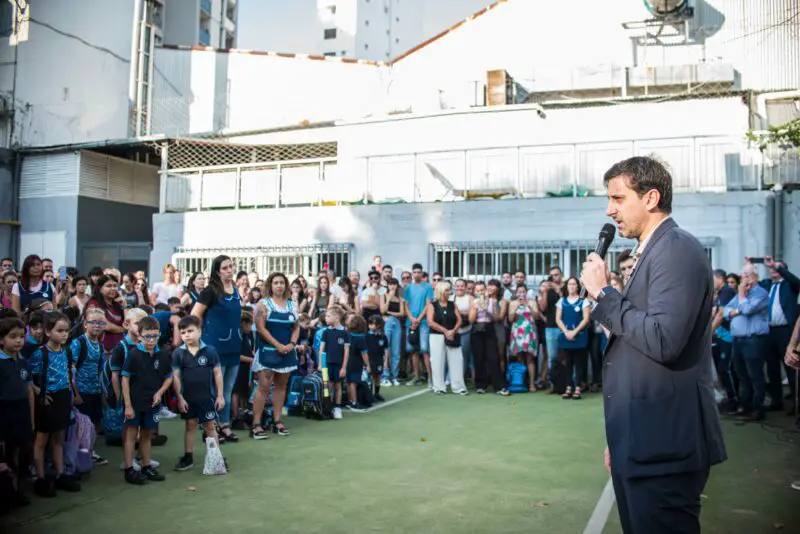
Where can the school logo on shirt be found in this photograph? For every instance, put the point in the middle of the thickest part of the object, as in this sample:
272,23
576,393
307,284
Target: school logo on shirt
341,341
380,343
210,416
156,417
291,317
23,374
45,296
155,364
201,361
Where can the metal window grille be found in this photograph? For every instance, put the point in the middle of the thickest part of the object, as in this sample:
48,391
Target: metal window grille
487,260
306,260
195,154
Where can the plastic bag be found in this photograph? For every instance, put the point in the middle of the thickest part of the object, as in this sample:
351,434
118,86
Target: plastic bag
214,464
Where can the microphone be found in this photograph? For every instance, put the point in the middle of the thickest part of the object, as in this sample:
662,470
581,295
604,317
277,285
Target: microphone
604,240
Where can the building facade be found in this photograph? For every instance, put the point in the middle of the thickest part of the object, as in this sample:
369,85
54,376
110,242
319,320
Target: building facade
200,22
376,30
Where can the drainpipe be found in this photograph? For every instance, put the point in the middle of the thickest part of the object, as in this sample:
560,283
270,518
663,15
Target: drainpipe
761,102
769,239
133,82
778,222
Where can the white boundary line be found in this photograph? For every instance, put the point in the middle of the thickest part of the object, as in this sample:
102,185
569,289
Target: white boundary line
399,399
602,510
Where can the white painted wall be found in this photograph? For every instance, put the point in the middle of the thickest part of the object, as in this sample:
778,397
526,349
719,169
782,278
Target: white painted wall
190,90
401,233
72,73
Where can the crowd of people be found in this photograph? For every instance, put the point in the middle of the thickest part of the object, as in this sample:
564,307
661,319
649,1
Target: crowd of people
219,351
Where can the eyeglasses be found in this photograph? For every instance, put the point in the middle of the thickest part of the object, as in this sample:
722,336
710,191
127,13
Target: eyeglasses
96,323
150,337
437,279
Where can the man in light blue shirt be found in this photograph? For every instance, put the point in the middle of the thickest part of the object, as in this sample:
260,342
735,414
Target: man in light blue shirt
418,296
748,313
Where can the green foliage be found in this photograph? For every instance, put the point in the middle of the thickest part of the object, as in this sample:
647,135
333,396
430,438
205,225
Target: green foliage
785,135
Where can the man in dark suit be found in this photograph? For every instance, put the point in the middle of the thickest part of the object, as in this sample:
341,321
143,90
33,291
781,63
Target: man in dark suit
783,288
662,426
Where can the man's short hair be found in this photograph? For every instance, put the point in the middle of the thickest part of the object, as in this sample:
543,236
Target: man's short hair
720,273
643,174
625,255
416,266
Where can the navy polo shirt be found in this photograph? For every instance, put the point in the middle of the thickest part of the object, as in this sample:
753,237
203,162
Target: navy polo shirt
15,378
196,371
146,373
335,339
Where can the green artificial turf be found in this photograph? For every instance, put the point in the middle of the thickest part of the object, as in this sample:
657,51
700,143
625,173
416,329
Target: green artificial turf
527,463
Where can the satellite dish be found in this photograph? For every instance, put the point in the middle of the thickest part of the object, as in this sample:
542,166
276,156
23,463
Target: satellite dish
666,8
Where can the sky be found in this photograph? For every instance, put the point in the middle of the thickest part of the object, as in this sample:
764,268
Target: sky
260,19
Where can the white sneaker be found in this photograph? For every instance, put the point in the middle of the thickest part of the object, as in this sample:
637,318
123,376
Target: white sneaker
395,382
385,383
166,414
337,413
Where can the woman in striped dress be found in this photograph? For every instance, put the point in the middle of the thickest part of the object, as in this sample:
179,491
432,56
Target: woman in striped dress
276,358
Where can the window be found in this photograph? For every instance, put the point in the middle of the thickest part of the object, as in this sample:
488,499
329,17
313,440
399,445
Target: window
330,33
396,39
366,23
397,19
366,46
329,54
332,9
6,19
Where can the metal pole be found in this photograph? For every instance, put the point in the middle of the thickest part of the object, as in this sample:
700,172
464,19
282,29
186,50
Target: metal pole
134,70
163,179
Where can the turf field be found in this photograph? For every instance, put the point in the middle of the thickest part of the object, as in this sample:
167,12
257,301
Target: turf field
527,463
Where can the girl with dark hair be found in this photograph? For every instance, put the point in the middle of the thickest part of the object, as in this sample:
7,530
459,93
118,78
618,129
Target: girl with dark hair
219,305
494,289
276,357
31,285
106,297
195,286
572,318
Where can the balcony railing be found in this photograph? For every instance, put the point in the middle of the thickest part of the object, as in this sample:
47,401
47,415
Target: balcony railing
698,164
205,5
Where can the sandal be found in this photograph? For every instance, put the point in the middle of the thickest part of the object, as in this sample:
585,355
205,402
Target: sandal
577,394
229,436
258,433
567,394
279,429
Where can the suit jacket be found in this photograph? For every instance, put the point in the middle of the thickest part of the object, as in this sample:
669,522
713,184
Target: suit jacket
660,411
789,290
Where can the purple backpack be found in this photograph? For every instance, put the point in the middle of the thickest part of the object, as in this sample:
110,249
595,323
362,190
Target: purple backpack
78,445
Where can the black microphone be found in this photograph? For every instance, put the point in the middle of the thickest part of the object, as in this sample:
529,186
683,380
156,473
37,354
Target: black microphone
604,240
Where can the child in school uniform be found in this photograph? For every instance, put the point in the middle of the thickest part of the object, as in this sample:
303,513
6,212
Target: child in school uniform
356,360
242,388
197,381
114,415
88,356
146,376
303,351
52,365
378,350
35,336
16,402
335,345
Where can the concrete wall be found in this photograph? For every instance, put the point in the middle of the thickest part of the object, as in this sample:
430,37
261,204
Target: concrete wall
72,73
51,214
94,218
401,233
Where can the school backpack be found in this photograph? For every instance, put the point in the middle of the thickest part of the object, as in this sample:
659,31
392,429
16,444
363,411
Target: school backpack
113,423
316,404
516,378
364,396
78,446
293,400
45,366
106,375
557,375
